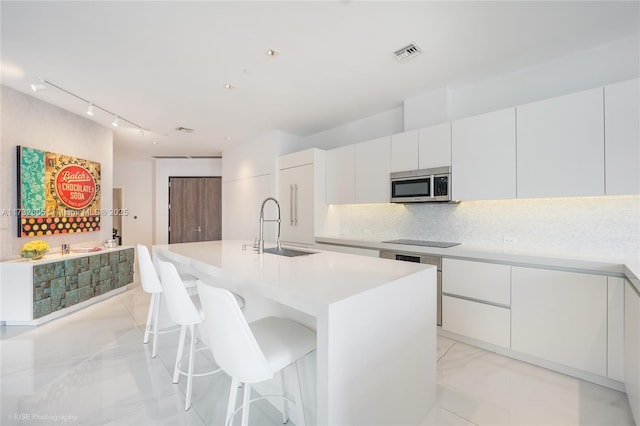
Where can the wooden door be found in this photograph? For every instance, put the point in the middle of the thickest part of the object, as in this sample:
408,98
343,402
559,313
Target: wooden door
195,209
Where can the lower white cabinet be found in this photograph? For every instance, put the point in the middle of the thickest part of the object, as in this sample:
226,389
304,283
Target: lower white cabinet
476,320
475,301
632,348
560,317
615,328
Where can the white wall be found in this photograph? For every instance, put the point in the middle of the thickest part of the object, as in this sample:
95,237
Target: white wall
135,177
606,64
30,122
378,125
165,168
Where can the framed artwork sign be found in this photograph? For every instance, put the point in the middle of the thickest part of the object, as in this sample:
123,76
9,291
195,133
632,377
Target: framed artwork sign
57,193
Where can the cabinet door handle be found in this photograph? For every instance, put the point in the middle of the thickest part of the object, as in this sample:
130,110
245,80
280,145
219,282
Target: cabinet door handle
198,229
291,203
295,186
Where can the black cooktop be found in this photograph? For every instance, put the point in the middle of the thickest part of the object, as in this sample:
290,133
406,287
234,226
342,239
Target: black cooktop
440,244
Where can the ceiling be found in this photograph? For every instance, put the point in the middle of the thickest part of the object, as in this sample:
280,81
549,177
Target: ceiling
162,65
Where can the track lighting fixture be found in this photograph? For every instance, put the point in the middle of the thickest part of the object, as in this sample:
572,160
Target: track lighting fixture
91,107
40,85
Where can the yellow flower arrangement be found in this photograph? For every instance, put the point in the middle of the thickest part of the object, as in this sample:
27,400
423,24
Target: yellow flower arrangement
34,249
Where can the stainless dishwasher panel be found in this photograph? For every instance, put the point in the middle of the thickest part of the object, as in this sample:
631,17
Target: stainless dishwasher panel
428,260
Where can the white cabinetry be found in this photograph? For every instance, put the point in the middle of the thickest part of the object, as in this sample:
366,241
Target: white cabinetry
404,151
341,177
560,317
434,146
475,300
615,328
372,168
622,137
561,146
421,149
632,348
483,159
301,178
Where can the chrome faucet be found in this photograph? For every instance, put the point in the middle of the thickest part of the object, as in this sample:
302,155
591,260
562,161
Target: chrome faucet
262,221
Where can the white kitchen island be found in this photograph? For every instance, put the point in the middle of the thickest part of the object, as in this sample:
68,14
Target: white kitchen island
374,318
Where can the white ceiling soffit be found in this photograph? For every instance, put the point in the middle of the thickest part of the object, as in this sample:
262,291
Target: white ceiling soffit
164,65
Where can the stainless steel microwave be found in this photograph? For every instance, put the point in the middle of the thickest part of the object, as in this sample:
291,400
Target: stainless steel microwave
420,186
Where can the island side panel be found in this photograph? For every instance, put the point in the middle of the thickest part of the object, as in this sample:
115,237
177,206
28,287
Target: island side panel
380,366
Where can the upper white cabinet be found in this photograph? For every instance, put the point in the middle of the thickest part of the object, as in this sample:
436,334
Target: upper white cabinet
301,178
622,137
341,177
560,317
404,151
561,146
421,149
372,168
434,146
483,159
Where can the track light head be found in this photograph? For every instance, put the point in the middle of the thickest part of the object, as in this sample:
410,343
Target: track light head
90,109
116,121
40,85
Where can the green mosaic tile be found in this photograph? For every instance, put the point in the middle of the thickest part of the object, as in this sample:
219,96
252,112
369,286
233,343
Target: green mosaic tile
104,259
58,269
85,293
57,292
37,293
42,308
84,279
43,272
105,273
71,282
94,262
95,277
71,297
114,258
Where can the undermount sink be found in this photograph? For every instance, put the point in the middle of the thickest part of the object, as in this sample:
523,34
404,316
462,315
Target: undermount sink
287,252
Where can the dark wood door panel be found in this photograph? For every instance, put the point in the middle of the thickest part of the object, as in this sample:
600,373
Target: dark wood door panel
195,212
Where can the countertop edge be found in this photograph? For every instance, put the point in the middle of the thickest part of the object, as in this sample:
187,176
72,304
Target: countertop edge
626,268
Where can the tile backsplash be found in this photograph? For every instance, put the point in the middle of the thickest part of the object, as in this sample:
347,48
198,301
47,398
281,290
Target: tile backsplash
582,226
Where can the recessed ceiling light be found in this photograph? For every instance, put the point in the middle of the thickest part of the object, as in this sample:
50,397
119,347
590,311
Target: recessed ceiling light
227,138
272,53
229,86
184,129
155,142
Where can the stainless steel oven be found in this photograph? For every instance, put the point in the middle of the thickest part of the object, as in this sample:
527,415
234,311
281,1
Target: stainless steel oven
429,260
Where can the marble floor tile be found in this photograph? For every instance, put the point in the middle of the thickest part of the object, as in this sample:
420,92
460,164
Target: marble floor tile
91,368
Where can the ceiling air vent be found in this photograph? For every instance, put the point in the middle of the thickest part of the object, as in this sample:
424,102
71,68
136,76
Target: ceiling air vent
407,52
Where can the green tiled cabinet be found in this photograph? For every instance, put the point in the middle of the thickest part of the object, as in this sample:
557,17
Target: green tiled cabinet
30,291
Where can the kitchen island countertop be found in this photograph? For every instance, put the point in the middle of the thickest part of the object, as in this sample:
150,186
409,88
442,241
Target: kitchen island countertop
374,318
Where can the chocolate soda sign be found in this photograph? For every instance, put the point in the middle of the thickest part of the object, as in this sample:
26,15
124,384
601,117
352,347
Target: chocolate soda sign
75,186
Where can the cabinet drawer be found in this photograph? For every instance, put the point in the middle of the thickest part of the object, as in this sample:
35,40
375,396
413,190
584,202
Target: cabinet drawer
491,324
477,280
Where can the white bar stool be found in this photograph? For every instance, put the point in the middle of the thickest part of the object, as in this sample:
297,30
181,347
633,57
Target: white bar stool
253,353
184,310
151,284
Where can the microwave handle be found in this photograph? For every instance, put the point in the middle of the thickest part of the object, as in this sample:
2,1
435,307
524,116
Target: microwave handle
431,186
